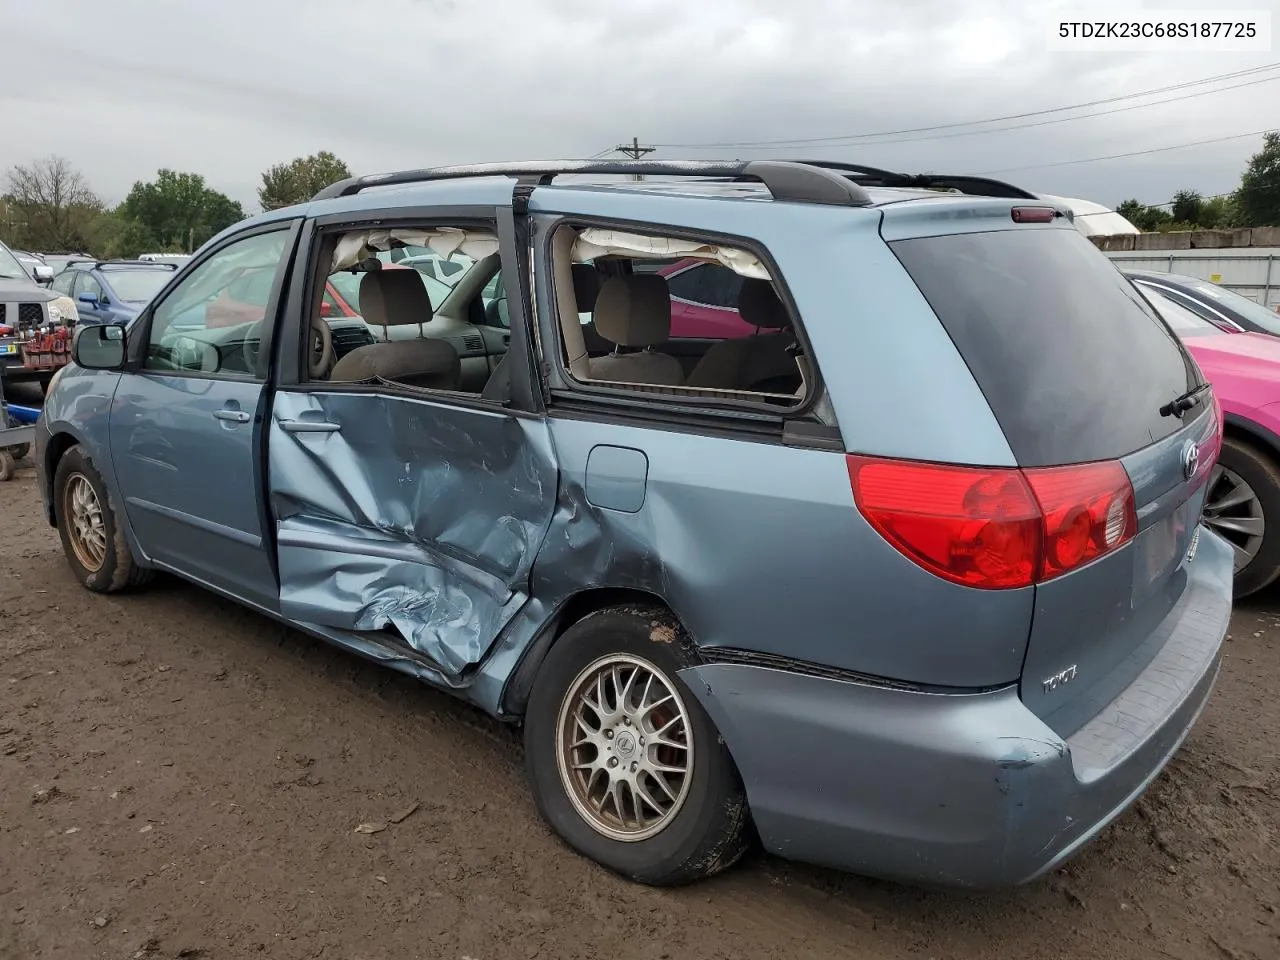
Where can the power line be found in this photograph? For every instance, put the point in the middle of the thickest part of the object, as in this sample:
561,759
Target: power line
1119,156
1045,123
969,123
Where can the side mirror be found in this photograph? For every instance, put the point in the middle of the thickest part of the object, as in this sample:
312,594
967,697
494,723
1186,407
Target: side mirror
89,298
43,273
326,309
495,313
99,346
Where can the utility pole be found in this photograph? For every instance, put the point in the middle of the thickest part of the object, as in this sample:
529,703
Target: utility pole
634,151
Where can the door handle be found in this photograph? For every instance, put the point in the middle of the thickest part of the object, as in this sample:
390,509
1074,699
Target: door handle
235,416
309,426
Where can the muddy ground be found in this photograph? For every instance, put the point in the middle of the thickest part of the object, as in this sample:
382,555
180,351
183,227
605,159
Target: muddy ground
183,778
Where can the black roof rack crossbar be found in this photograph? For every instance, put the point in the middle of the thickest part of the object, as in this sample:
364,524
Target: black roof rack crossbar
785,180
974,186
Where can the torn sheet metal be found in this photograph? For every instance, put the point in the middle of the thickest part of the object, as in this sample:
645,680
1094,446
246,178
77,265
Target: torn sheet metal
445,241
413,516
595,242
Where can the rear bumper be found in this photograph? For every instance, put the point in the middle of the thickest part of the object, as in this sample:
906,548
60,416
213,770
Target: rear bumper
968,790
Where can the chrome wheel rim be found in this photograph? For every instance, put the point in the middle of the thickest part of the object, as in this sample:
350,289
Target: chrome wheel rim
1232,509
624,746
86,527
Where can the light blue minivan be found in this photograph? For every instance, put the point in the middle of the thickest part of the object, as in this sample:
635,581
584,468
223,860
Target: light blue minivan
909,579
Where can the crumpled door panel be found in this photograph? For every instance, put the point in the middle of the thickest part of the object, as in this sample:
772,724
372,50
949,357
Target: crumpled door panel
413,516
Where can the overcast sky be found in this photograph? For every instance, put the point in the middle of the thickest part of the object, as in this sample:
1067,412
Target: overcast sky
226,88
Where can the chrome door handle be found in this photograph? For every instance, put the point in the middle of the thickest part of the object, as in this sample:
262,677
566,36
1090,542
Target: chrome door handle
309,426
235,416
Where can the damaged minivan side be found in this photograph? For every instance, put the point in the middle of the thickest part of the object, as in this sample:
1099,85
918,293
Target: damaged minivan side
695,560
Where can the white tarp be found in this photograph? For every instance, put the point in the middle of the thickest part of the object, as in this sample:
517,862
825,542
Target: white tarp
595,242
445,241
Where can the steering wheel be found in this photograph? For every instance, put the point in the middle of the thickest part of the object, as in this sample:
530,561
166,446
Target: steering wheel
320,357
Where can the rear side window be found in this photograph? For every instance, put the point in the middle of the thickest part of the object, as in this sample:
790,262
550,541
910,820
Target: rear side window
1072,360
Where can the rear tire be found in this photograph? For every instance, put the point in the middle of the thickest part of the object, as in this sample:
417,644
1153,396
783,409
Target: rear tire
695,821
1237,521
88,525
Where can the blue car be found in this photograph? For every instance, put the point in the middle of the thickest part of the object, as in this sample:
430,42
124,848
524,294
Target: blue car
911,581
112,291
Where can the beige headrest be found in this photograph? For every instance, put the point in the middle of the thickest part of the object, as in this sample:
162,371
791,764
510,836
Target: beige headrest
634,310
394,297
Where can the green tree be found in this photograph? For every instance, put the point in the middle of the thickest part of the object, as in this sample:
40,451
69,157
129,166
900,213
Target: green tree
48,206
114,235
1258,197
1132,210
1188,207
1219,213
298,180
178,211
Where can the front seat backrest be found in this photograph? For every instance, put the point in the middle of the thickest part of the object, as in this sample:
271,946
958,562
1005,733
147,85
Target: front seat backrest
634,310
396,298
762,361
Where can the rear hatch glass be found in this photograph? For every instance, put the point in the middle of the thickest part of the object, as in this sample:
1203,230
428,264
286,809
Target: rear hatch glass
1076,366
1074,363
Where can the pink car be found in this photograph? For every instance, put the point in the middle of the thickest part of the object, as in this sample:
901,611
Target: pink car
1243,500
704,301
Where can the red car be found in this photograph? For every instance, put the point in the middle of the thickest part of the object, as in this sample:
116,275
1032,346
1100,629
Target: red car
704,301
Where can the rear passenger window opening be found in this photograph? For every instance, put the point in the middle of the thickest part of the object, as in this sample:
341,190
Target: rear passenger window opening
677,318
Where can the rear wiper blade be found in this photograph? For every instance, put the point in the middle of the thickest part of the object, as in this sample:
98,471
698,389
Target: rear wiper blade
1180,405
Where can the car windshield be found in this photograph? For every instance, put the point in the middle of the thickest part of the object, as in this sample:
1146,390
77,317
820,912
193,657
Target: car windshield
1249,309
138,286
1183,321
10,268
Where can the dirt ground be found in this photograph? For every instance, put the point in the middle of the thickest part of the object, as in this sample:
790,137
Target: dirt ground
182,778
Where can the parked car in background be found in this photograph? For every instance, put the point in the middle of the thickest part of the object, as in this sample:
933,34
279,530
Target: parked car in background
177,259
1220,306
58,262
904,584
36,268
1242,503
111,291
26,308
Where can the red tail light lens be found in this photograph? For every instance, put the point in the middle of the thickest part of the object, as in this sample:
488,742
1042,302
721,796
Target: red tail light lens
1088,511
996,528
969,525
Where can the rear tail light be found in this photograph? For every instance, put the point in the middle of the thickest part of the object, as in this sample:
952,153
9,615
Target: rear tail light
996,528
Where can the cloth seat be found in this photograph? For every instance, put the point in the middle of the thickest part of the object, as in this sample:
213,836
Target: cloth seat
634,310
395,298
762,361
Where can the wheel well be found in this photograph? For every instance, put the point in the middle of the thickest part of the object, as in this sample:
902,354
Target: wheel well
1256,436
515,696
57,447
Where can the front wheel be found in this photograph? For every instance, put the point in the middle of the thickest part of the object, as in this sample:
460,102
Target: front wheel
625,764
92,537
1242,504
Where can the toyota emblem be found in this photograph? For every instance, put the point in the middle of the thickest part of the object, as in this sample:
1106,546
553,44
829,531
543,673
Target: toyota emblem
1190,459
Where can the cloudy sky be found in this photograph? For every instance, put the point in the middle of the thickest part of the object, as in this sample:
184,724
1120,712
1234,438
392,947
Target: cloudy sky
227,88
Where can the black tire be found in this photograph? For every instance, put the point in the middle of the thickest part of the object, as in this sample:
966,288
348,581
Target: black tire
1261,472
708,832
119,569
